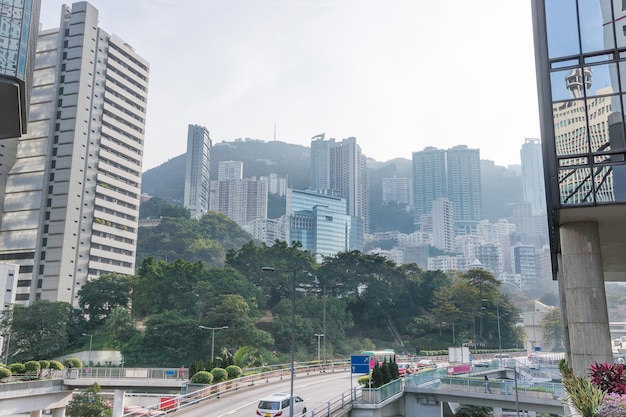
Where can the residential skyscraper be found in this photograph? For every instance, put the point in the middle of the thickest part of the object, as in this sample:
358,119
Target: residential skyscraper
230,170
443,224
197,168
243,200
429,180
464,185
453,174
339,169
532,175
19,24
71,202
524,264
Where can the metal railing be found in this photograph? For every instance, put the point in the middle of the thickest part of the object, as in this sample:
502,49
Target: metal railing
198,393
378,395
493,386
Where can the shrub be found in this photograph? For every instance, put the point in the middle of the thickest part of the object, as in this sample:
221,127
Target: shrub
44,364
17,368
364,381
76,363
5,372
233,371
219,375
584,396
32,367
608,377
613,405
56,365
202,377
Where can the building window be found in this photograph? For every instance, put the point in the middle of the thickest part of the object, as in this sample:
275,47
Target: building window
21,297
41,269
25,269
23,283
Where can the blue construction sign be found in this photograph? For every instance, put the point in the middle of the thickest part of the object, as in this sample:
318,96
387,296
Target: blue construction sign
360,364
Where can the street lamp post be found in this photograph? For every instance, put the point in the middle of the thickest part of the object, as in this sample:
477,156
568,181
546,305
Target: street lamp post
213,329
293,327
499,334
453,336
323,325
319,336
90,343
8,336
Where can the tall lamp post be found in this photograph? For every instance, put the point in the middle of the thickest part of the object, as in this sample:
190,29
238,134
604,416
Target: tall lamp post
319,336
293,326
8,336
213,329
90,343
499,333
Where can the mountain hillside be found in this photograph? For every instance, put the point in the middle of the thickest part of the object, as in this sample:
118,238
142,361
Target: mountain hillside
500,186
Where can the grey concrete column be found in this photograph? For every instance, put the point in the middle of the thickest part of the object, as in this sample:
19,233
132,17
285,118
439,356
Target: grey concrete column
583,284
563,301
58,412
37,413
118,403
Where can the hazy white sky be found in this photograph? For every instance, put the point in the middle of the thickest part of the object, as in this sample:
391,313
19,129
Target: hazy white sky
399,75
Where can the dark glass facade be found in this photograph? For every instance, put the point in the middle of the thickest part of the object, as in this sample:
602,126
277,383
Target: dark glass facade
19,21
581,60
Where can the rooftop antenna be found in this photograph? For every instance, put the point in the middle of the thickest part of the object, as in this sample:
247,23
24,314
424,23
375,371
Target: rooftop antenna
274,132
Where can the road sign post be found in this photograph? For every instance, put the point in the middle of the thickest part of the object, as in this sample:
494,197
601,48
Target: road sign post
360,364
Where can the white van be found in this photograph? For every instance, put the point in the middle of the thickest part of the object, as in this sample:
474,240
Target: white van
277,405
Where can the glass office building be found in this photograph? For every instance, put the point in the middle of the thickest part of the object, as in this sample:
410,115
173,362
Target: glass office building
321,224
19,23
581,59
580,54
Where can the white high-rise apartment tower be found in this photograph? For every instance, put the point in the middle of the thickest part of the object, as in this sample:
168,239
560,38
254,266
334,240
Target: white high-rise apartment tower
71,202
198,163
230,170
532,175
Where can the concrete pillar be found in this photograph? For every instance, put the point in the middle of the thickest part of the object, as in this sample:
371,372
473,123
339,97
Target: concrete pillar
37,413
583,283
118,403
58,412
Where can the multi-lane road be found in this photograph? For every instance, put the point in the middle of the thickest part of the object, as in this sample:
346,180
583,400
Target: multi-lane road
315,389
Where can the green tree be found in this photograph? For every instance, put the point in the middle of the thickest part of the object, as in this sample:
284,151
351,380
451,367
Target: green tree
160,286
39,331
235,312
89,403
474,411
170,338
100,296
119,325
552,327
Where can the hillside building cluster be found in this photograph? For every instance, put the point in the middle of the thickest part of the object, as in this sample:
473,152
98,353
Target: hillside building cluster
70,184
